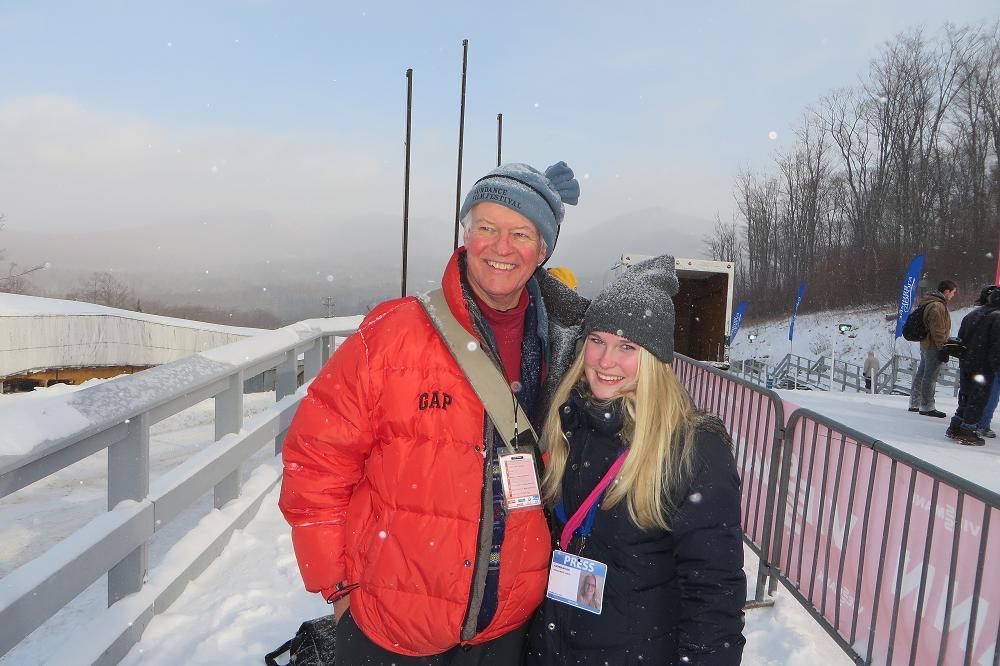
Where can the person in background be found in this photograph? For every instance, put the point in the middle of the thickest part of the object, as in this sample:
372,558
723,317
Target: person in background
391,481
985,428
565,276
932,354
644,486
870,369
985,423
978,366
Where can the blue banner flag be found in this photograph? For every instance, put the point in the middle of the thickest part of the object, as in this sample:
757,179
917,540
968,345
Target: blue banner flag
798,301
907,297
737,320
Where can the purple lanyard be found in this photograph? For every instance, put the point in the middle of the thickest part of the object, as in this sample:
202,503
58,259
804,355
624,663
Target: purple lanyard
577,518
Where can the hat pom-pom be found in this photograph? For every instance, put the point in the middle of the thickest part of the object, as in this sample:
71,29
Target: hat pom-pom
561,177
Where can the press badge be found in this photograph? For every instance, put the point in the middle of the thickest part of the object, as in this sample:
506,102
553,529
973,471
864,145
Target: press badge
520,482
577,581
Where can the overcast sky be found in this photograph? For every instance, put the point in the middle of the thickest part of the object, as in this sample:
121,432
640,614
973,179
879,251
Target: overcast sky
120,114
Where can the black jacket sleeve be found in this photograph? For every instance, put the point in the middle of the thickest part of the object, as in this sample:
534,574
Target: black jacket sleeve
709,552
993,355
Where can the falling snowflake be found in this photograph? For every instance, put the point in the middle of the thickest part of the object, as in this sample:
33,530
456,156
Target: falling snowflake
472,346
772,135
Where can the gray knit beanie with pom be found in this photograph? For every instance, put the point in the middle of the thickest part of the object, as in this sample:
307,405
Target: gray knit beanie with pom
526,190
637,305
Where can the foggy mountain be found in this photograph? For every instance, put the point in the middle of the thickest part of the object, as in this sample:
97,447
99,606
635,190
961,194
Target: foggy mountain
288,268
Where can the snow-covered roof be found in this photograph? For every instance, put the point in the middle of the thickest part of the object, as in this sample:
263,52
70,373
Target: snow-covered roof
40,333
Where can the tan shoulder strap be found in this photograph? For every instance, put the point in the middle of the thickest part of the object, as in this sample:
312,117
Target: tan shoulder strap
485,377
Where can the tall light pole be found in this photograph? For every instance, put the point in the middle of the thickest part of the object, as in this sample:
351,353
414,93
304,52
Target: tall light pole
753,353
461,137
841,328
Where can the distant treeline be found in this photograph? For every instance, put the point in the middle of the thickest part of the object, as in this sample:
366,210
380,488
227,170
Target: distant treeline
906,162
103,288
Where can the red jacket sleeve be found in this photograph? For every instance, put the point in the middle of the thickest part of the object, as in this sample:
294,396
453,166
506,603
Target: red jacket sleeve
324,458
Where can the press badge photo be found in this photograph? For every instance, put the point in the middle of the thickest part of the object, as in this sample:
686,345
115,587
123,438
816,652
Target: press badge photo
577,581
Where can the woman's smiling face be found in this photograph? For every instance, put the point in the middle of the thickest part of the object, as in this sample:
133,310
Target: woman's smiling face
610,363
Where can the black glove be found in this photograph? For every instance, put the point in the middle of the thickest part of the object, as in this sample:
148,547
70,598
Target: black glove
943,356
954,347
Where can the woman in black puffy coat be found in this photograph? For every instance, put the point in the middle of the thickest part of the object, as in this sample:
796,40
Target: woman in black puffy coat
662,525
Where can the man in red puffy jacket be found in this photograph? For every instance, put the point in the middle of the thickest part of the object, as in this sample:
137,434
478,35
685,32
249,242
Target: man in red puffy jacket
392,481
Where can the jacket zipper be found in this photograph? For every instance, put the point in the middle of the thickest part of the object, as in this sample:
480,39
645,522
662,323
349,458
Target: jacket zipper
487,469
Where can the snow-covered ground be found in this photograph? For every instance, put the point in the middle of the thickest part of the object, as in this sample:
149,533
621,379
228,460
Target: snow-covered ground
816,333
885,417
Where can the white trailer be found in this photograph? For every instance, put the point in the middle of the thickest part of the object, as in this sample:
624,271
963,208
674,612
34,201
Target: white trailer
704,307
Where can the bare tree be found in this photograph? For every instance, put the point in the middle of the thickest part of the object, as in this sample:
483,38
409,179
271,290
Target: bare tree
15,281
103,288
726,244
906,162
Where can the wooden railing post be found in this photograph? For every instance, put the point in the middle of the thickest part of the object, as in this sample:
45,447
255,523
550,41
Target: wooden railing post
229,419
128,479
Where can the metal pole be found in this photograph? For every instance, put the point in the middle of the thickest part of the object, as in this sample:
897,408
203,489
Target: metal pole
406,177
461,138
499,136
833,357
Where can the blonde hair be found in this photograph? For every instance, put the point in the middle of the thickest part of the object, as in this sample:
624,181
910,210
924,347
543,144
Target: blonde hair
659,429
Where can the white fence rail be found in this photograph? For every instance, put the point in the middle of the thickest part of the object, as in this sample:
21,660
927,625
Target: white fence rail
117,416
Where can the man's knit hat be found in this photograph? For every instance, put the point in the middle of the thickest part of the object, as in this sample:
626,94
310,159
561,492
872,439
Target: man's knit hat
526,190
984,295
637,305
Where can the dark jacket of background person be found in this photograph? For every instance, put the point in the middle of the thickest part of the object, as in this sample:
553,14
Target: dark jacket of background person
937,318
980,332
669,594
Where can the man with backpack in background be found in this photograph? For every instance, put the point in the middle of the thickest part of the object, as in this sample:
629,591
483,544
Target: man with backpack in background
932,311
979,363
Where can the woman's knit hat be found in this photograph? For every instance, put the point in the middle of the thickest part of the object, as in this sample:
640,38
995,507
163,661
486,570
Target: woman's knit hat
637,305
526,190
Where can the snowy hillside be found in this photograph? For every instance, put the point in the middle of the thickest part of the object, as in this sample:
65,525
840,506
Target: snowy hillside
814,333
